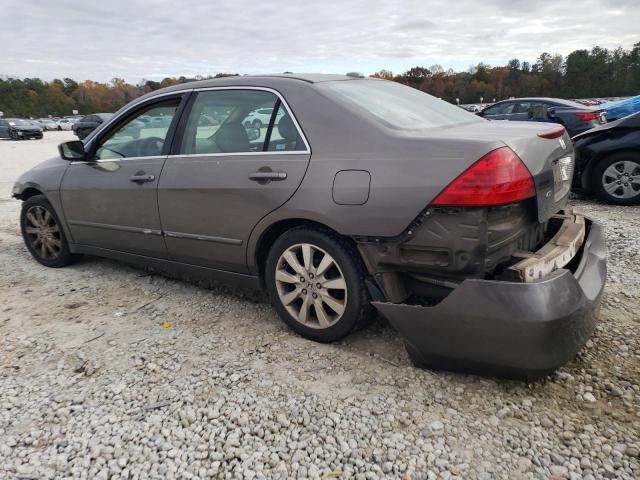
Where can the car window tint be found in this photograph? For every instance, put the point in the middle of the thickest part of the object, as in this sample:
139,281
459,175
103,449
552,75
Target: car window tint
397,106
137,137
285,136
505,108
228,121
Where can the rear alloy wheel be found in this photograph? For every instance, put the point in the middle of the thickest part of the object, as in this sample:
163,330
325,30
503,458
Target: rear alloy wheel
316,284
43,234
617,179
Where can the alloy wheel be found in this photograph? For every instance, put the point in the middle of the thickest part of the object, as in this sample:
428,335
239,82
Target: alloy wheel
43,233
311,286
622,179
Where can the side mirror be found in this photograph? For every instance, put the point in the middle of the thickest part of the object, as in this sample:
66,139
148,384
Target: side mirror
73,150
253,134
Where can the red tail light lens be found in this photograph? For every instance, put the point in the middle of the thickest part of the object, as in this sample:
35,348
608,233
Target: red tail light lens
498,178
588,116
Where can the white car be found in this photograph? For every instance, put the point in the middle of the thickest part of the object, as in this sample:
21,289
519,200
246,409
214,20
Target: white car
64,124
261,117
48,124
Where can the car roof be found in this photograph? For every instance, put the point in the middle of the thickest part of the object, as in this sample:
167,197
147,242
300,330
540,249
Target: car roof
272,80
561,101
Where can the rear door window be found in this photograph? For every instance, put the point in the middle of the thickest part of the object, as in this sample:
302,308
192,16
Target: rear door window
505,108
238,121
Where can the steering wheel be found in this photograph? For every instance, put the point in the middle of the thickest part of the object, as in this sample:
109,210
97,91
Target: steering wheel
150,147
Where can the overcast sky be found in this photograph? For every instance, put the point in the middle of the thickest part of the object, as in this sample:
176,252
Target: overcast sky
135,39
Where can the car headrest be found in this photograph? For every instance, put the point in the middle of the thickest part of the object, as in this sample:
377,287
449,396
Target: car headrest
287,129
232,137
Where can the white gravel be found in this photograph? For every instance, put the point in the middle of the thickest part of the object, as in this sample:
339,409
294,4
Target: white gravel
92,385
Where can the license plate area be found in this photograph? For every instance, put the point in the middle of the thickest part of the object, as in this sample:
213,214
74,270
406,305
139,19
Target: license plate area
557,252
562,175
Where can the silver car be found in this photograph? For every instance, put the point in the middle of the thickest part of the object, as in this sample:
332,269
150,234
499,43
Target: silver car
366,195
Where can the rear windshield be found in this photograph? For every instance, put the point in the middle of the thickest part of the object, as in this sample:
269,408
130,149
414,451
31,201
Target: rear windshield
398,106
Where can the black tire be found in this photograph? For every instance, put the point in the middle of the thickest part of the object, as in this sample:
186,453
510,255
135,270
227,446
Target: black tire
257,124
597,180
347,258
61,258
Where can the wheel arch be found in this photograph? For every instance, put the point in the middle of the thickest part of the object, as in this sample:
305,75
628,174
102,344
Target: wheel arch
275,230
29,192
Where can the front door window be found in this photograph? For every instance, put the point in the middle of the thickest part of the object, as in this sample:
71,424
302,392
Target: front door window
144,135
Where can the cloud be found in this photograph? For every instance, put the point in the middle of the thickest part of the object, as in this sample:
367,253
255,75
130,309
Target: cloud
137,39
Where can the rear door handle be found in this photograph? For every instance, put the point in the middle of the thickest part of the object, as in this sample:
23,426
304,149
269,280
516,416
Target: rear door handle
266,176
142,178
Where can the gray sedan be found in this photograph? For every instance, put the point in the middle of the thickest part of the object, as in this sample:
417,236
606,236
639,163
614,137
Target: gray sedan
364,195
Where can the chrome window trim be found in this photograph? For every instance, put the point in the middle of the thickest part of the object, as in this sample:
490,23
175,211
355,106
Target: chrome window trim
239,154
112,160
124,113
282,101
131,106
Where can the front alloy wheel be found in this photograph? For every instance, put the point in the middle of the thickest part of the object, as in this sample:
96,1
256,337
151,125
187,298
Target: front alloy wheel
43,234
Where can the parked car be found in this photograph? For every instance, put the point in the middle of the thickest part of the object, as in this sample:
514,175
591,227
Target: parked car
608,161
408,204
89,123
64,124
48,124
621,108
19,129
261,117
575,117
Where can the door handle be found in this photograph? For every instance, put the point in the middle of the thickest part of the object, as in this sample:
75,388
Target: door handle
266,176
142,177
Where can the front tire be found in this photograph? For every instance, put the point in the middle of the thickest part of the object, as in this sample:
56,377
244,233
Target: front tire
616,179
43,234
315,281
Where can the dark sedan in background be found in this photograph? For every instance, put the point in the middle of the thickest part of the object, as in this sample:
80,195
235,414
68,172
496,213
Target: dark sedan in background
575,117
608,161
19,129
89,123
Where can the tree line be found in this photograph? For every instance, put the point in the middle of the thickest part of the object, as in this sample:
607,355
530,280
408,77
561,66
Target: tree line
594,73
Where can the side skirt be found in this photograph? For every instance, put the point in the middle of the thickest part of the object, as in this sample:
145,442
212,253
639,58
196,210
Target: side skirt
195,273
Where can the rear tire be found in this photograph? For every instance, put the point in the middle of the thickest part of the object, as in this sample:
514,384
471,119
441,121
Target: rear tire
315,281
43,233
616,178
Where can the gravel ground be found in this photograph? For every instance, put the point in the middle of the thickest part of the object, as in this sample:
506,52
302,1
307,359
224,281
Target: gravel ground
108,373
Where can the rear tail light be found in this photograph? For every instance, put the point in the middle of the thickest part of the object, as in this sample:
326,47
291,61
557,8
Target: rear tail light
551,134
498,178
588,116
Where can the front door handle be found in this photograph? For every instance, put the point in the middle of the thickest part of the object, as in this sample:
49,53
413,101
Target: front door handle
142,177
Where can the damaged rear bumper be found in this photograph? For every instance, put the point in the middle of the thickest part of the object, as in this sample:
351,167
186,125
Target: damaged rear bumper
513,329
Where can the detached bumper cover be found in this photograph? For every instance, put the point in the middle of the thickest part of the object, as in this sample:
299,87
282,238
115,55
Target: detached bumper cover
508,328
